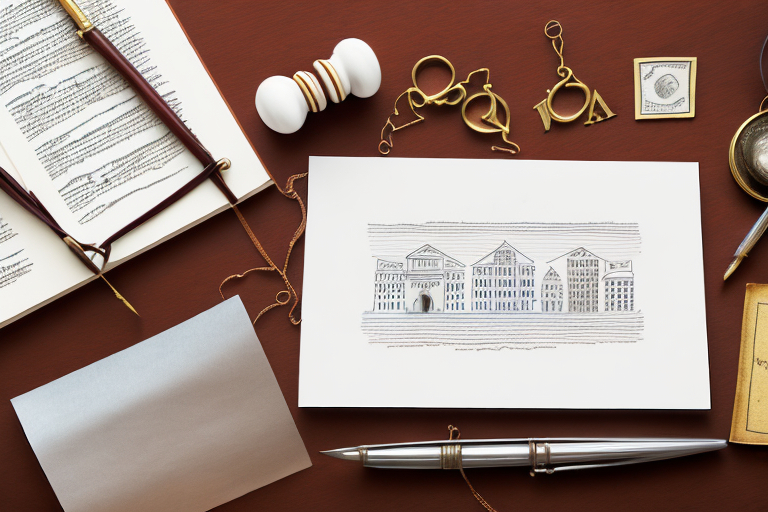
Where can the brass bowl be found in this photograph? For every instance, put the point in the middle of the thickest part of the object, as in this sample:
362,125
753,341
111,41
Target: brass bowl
748,156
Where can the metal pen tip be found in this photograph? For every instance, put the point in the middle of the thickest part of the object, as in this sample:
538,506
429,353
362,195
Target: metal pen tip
344,453
732,267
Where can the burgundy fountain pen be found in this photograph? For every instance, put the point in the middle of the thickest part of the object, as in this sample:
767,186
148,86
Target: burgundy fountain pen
99,42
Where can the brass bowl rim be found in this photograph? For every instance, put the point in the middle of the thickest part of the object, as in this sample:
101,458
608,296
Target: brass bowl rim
732,160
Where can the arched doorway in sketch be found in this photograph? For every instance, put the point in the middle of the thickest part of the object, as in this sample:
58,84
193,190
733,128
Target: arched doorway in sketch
423,303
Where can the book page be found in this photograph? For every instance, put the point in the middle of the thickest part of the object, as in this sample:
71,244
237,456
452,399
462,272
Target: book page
35,265
105,157
62,107
83,140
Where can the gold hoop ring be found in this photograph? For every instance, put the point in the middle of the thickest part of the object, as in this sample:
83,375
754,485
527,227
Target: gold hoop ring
422,62
550,25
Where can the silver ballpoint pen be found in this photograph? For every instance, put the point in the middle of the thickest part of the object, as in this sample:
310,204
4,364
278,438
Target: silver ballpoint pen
543,455
748,243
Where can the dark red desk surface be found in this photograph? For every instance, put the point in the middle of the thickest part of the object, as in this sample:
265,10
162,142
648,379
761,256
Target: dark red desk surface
242,42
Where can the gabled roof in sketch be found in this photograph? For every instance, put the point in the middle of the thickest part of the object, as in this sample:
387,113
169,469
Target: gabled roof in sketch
488,259
388,265
429,252
552,275
580,252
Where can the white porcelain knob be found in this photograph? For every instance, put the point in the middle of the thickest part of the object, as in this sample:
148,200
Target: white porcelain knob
353,68
281,104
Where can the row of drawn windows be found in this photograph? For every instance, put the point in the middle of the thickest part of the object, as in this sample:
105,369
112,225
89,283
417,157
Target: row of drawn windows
424,263
389,306
505,283
523,305
552,305
620,305
382,287
390,276
523,270
486,294
388,296
582,263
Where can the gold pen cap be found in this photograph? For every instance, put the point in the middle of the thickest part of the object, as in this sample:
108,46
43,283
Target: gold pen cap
83,23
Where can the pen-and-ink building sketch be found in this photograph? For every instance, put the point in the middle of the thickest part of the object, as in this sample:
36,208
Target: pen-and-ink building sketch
503,281
424,296
619,286
583,278
434,281
594,284
551,292
390,287
430,282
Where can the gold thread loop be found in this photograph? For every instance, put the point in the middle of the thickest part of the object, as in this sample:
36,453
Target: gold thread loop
763,107
283,297
450,455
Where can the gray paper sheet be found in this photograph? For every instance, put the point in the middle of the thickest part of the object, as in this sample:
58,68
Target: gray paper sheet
184,421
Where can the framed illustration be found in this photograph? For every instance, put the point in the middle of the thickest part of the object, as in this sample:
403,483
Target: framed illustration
665,87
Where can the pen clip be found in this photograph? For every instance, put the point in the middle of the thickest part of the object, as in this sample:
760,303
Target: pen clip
540,457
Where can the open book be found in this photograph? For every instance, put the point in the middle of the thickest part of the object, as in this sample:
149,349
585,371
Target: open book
77,136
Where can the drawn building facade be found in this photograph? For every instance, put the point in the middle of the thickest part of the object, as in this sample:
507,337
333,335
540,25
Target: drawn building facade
433,281
583,281
503,281
389,294
551,292
619,282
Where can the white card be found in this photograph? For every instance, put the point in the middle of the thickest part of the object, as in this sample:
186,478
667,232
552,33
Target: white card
503,283
184,421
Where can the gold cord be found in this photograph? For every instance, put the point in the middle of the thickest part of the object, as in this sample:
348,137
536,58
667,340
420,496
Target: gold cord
451,459
283,297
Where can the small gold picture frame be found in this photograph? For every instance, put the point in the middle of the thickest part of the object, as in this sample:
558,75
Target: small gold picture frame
665,87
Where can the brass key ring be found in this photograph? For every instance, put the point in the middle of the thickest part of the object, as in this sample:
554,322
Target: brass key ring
451,94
